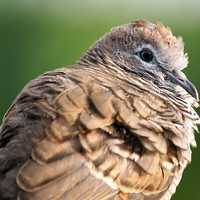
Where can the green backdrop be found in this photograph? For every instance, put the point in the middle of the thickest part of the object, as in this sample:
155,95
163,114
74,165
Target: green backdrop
36,36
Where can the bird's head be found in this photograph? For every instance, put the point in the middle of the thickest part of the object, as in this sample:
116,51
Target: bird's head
147,50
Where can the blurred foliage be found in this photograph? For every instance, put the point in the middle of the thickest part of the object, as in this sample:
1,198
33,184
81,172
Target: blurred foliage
33,41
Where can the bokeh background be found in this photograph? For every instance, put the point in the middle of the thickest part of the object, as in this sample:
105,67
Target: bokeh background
41,35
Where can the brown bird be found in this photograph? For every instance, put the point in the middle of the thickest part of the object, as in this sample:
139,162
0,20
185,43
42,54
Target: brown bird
118,125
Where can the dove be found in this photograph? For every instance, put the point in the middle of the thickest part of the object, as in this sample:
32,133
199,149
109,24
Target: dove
118,124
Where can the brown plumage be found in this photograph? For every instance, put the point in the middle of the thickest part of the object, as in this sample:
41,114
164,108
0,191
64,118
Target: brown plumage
116,125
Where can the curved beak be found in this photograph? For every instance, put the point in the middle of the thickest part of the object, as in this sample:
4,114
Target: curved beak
175,78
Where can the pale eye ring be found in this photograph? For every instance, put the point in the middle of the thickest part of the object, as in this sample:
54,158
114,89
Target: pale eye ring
146,55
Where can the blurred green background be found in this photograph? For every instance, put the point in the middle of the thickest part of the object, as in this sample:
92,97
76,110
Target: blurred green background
41,35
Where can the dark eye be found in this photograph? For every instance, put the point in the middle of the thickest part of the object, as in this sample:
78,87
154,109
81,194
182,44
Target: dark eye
146,55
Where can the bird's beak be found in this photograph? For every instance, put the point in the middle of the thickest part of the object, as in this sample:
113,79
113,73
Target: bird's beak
175,78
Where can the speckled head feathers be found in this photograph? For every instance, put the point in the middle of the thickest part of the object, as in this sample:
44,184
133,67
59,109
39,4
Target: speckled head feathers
169,47
130,37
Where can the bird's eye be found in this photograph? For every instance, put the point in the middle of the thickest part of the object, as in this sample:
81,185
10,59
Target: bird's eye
146,55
